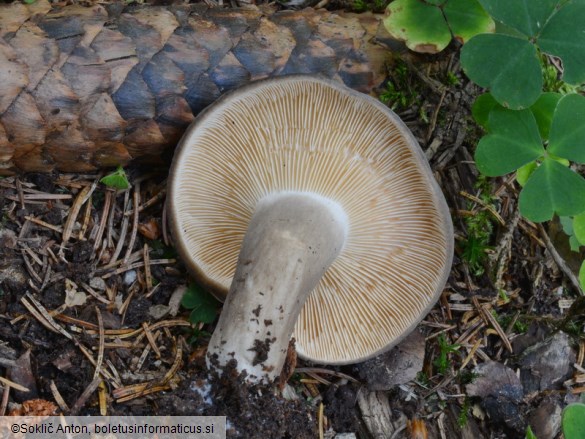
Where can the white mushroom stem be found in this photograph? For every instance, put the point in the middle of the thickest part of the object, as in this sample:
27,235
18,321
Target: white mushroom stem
292,238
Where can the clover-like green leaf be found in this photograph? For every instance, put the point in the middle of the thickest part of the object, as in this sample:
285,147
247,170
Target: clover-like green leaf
564,36
543,110
567,223
202,304
573,419
467,18
567,133
507,65
482,108
524,172
512,142
526,16
552,188
579,228
419,24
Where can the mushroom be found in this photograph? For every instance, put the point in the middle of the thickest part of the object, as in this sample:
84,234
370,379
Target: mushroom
310,208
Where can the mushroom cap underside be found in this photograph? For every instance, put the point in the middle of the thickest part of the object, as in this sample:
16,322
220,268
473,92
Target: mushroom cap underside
307,134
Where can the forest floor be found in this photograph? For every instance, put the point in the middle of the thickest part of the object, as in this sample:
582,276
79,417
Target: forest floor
90,289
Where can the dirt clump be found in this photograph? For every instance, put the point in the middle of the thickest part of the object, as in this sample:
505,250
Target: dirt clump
253,411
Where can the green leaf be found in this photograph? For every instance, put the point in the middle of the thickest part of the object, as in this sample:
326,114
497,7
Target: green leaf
573,420
482,108
581,280
543,110
513,141
526,16
419,24
524,172
507,65
567,133
530,434
203,314
574,244
552,188
116,179
567,223
467,18
579,228
564,36
204,306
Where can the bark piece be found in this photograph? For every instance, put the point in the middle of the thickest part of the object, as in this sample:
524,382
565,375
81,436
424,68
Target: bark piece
545,420
545,365
501,394
21,373
397,366
377,414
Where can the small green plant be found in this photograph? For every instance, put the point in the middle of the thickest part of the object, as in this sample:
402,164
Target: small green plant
423,379
464,413
116,179
479,228
203,305
474,253
360,5
573,421
452,79
574,319
160,250
445,349
399,94
429,25
520,324
530,434
369,5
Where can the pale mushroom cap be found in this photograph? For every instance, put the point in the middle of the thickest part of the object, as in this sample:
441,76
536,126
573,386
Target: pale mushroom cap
306,134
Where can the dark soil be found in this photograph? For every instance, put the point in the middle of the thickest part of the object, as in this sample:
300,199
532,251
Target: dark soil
41,272
253,411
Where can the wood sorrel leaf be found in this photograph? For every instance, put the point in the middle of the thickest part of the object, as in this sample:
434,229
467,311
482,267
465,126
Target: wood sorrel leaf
419,24
567,132
552,188
579,228
543,110
204,306
507,65
526,16
467,18
564,36
512,142
524,172
482,108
